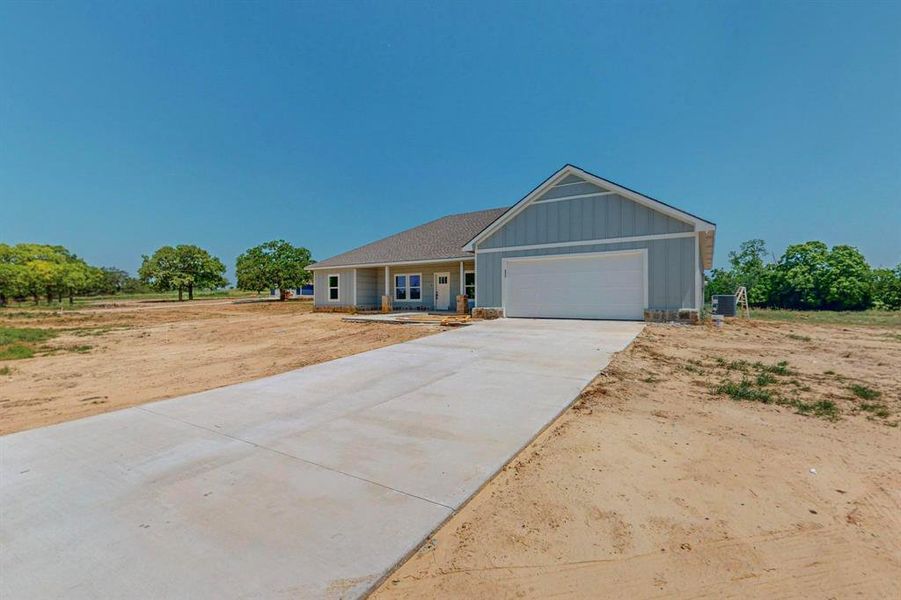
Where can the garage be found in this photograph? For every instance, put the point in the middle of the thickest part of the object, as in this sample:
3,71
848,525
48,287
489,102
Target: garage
600,285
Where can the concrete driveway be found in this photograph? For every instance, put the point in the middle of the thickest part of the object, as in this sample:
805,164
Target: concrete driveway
312,483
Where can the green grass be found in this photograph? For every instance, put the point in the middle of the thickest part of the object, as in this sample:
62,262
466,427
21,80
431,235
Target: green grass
744,390
82,302
15,352
780,368
800,338
11,335
18,343
863,392
764,379
869,318
825,409
877,410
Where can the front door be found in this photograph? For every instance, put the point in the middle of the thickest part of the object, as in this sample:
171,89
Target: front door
442,291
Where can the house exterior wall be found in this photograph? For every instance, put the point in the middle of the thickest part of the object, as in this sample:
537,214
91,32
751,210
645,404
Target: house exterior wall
428,283
345,289
671,270
673,263
370,285
593,218
367,288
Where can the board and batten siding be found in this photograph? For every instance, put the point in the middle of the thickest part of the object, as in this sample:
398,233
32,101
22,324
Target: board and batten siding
428,283
673,264
345,287
367,288
370,285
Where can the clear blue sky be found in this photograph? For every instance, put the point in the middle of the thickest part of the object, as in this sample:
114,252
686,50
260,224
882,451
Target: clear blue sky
126,126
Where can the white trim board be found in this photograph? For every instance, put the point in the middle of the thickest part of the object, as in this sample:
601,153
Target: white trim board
697,223
579,255
619,240
328,287
407,287
392,264
575,197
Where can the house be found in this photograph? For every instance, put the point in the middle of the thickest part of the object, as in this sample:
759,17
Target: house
576,246
304,291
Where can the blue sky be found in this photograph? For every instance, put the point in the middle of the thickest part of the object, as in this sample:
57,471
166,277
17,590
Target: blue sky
126,126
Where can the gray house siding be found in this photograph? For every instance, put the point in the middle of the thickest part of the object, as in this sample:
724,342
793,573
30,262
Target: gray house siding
345,288
367,288
371,285
592,218
673,263
428,283
671,270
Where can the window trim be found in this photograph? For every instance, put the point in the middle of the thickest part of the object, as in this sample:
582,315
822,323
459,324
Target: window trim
407,287
464,286
329,288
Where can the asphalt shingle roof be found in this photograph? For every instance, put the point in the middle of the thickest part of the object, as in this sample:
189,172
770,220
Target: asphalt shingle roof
439,239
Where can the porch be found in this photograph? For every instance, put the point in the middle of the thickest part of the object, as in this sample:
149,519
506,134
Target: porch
418,286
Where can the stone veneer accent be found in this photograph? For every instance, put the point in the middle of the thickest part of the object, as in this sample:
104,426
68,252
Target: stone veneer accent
681,315
487,313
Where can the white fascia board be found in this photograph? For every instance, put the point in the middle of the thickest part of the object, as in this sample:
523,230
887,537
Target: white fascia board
391,264
595,242
516,208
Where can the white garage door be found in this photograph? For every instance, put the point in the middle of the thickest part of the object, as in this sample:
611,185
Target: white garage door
603,285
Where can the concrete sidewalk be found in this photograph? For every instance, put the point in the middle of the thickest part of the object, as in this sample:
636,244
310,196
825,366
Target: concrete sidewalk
312,483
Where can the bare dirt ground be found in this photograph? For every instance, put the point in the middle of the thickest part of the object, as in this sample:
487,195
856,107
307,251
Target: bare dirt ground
654,484
114,356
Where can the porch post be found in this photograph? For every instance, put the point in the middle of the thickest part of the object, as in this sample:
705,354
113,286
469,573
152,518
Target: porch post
462,289
386,297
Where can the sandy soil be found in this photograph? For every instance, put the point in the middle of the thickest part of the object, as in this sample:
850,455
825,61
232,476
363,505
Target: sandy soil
115,356
652,485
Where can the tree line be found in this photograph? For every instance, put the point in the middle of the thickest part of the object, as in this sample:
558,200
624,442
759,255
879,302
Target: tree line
808,276
45,271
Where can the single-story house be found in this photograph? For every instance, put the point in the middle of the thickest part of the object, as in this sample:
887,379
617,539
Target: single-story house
576,246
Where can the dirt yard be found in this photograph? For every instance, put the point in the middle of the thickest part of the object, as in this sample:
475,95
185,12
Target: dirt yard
111,357
658,483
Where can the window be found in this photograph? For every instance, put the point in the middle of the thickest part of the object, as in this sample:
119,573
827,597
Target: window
408,287
469,284
334,287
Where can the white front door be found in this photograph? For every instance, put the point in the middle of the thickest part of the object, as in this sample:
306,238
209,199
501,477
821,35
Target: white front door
442,291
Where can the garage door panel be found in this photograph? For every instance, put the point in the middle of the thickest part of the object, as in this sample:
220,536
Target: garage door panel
598,286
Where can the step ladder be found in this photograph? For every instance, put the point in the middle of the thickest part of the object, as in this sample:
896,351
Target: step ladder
741,302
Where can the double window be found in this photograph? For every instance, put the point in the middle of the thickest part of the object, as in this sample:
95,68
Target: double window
334,285
408,287
469,284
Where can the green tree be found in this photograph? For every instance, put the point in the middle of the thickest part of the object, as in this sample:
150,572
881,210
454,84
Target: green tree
183,267
750,270
200,269
798,277
13,282
846,282
112,280
275,264
887,288
117,281
720,281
